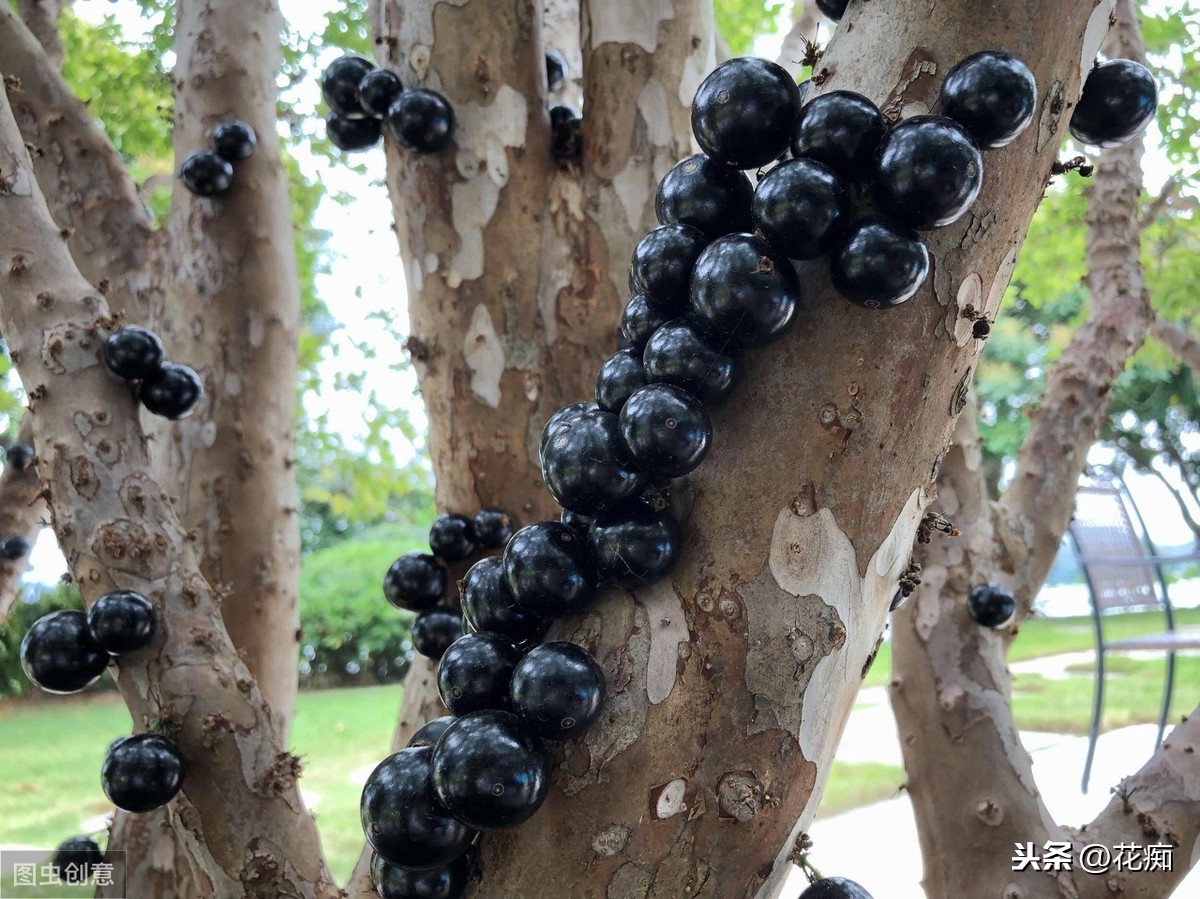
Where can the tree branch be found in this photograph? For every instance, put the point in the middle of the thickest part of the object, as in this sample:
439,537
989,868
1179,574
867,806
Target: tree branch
805,20
42,18
1180,341
21,514
1155,208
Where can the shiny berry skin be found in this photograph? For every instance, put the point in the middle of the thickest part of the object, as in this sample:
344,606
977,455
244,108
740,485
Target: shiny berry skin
620,375
581,524
19,456
684,352
549,570
402,817
435,629
420,120
635,545
1119,99
991,605
351,135
14,547
415,581
431,731
59,655
928,172
879,264
560,418
993,95
566,133
640,320
833,9
452,537
556,70
488,604
840,129
172,392
662,265
393,882
133,353
707,196
558,689
378,91
122,621
835,888
73,859
206,174
743,112
490,770
234,141
585,466
340,81
474,672
492,527
665,430
142,772
744,291
801,207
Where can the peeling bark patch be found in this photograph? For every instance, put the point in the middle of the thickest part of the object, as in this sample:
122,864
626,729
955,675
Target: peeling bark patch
740,796
668,800
67,348
1053,105
1093,36
668,630
969,306
1000,283
629,23
611,840
631,881
484,355
914,85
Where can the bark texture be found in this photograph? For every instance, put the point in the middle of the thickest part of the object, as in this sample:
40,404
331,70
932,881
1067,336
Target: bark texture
1180,341
42,18
22,513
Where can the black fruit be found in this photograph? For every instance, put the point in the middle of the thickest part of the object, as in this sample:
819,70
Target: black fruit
172,392
378,91
620,375
993,95
835,888
59,655
415,581
74,858
743,112
635,545
581,524
687,354
15,547
420,120
662,265
559,419
879,264
122,621
452,537
431,731
840,129
473,674
928,172
566,133
490,770
707,196
340,81
549,570
833,9
435,629
133,353
991,605
801,207
19,456
640,320
558,689
234,141
402,817
351,135
142,772
488,604
206,174
1119,99
744,291
665,430
493,527
556,70
585,466
394,882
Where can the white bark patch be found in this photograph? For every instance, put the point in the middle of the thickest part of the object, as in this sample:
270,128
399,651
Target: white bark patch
1000,283
670,801
970,306
484,355
1093,36
702,59
654,105
668,629
929,608
474,203
628,23
632,185
66,348
233,384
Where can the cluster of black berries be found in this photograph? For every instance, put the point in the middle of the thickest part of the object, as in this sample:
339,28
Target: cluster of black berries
364,99
566,134
207,173
167,388
18,456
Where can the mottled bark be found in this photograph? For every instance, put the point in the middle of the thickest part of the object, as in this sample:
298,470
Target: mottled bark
42,18
22,513
1180,341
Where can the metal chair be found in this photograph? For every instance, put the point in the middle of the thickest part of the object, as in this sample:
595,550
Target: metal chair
1124,572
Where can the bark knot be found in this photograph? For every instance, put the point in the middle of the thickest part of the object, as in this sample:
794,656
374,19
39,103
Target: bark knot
740,796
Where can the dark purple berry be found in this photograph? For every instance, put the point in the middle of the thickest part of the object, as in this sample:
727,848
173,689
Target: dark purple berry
172,392
488,604
640,320
566,133
743,112
452,537
801,207
378,91
351,135
635,545
879,264
993,95
19,456
835,888
435,629
474,673
840,129
122,621
665,430
59,655
420,120
234,141
560,418
431,731
620,375
585,466
415,581
1119,99
133,353
707,196
393,882
15,547
340,81
991,605
549,570
744,291
687,354
928,172
206,174
558,689
142,772
74,859
833,9
556,71
493,527
662,265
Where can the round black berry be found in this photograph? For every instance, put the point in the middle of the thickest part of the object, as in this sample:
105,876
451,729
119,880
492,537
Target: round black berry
640,320
488,604
452,537
928,172
743,112
833,9
840,129
991,605
474,673
490,770
234,141
172,392
585,466
59,655
879,264
122,621
558,689
133,353
415,581
801,207
378,91
665,430
19,456
420,120
556,70
393,882
662,265
431,731
15,547
559,419
402,817
620,375
340,81
493,527
74,859
351,135
549,570
566,133
635,545
993,95
686,353
435,629
709,197
835,888
142,772
744,291
206,174
1119,99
